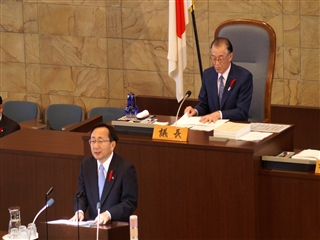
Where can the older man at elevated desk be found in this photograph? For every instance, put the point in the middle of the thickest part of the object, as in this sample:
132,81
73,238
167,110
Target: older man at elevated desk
7,125
226,90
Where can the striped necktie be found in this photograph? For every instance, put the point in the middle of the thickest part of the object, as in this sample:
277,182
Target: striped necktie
221,88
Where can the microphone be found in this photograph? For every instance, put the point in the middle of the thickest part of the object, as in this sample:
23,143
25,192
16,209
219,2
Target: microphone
48,204
184,98
98,223
46,199
49,191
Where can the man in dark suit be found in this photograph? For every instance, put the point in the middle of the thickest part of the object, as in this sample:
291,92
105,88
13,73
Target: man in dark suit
226,89
119,196
7,125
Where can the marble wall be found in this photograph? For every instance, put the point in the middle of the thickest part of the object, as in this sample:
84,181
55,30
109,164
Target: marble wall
93,52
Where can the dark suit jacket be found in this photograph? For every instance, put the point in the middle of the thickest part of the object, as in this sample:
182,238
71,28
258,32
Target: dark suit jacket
235,103
120,194
7,126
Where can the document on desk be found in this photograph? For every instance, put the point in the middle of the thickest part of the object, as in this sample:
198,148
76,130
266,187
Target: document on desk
195,124
308,154
72,223
268,127
254,136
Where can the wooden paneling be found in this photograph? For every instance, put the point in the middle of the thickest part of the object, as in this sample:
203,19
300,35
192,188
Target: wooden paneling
289,205
32,161
110,231
163,105
306,121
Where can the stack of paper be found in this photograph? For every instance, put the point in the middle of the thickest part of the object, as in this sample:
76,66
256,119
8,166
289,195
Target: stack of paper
308,154
195,124
232,130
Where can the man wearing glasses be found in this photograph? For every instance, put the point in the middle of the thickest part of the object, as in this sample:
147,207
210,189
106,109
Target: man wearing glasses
226,89
106,178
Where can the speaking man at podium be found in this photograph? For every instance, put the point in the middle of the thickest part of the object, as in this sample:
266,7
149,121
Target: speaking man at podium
226,89
107,179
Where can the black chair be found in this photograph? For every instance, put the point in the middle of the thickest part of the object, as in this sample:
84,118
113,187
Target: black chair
58,116
108,113
21,111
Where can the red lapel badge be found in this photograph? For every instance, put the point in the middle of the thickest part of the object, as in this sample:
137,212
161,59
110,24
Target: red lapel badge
231,84
110,176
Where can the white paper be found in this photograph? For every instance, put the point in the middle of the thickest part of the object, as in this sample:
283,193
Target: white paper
161,123
72,223
268,127
195,124
202,128
309,154
254,136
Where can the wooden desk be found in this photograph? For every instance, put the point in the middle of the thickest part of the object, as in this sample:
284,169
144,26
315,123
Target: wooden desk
110,231
194,190
32,124
306,119
33,161
200,189
289,205
83,126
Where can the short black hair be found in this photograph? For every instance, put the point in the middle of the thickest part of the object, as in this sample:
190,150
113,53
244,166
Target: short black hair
112,132
220,41
0,100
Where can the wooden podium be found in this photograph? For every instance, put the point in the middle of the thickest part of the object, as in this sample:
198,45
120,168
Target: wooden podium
110,231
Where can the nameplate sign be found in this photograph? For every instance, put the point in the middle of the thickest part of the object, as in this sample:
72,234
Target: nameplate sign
170,133
317,170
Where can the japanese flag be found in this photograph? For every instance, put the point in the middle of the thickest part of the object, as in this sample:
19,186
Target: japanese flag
177,44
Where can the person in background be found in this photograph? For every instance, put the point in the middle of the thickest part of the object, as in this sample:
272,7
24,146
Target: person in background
7,125
117,191
226,89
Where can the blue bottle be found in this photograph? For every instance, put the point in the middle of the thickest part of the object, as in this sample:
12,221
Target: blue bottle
128,108
134,109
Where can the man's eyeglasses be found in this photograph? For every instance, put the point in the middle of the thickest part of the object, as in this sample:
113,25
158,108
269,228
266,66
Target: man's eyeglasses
99,142
220,59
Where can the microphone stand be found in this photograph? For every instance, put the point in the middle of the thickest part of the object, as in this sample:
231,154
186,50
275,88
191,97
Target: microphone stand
185,97
46,200
78,218
48,204
98,223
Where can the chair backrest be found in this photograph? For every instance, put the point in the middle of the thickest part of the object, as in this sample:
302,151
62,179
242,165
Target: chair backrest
254,48
108,113
58,116
21,111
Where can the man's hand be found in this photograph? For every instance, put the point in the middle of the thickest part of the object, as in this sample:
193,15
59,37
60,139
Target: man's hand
213,117
75,217
104,218
190,111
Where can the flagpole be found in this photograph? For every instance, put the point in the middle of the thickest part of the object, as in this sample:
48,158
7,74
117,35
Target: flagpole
196,37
